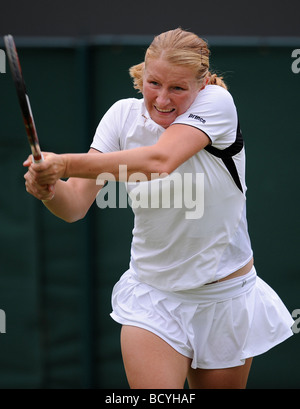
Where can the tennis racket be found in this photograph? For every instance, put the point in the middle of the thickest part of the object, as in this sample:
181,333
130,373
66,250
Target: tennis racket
24,102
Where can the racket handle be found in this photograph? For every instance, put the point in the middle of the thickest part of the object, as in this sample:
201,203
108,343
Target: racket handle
39,160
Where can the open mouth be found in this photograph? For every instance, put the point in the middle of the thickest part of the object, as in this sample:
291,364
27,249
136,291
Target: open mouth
164,111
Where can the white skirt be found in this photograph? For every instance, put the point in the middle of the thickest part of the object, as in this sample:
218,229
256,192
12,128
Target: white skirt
217,326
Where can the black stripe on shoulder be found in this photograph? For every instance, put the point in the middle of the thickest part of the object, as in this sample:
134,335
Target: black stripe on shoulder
227,154
232,150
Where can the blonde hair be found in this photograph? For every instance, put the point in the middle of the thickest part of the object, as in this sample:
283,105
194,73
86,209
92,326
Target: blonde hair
178,47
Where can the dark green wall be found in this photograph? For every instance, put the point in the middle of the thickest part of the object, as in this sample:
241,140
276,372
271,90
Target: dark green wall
56,278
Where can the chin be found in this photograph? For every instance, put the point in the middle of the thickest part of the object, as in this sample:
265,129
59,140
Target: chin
164,122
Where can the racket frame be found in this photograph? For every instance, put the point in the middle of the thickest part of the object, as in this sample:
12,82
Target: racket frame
23,98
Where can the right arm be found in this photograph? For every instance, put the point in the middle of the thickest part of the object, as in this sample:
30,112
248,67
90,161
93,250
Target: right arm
72,198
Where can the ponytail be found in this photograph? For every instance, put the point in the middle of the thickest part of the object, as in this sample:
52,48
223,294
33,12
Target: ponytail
215,80
136,72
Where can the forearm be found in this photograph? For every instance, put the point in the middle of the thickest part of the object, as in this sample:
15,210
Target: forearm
173,148
72,199
63,204
145,160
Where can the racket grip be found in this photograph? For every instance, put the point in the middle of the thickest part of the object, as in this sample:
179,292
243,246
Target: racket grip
39,160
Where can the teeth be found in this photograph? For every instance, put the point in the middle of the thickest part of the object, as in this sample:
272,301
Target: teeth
164,110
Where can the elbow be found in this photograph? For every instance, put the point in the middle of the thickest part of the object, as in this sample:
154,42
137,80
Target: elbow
69,218
168,168
163,170
74,219
161,164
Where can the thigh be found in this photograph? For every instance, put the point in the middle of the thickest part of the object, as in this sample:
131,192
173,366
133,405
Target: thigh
150,362
229,378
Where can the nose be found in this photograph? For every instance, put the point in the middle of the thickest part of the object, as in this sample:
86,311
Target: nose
163,98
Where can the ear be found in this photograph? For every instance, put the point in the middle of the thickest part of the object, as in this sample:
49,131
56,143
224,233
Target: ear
205,82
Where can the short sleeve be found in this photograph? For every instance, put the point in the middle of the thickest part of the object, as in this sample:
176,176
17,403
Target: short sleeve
214,113
107,135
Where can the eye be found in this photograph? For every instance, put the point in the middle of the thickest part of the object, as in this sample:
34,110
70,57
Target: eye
178,89
154,83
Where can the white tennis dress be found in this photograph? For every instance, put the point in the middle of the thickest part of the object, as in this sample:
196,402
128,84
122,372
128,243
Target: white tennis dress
190,229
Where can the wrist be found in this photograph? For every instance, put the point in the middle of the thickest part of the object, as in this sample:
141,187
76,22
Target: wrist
66,165
46,201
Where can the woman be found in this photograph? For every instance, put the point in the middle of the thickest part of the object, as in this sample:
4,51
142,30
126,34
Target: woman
191,305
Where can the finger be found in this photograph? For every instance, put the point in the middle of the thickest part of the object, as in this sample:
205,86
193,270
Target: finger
40,173
32,174
51,193
45,173
39,192
51,189
45,167
28,161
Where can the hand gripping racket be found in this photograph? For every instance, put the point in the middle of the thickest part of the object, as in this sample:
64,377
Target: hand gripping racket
24,102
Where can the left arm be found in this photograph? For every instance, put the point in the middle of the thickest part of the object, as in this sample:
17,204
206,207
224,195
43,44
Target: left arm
176,145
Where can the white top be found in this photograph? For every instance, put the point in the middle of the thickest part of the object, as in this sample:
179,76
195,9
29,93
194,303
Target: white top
190,227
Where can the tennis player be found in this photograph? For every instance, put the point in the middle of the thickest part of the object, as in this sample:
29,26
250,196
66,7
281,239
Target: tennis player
191,304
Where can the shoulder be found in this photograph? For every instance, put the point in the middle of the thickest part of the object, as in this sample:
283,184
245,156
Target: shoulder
122,111
214,113
128,104
114,124
214,104
214,96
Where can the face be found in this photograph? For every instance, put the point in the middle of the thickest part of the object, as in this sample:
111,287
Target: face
168,90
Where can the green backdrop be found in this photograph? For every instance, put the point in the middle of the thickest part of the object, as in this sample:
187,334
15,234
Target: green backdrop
56,278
